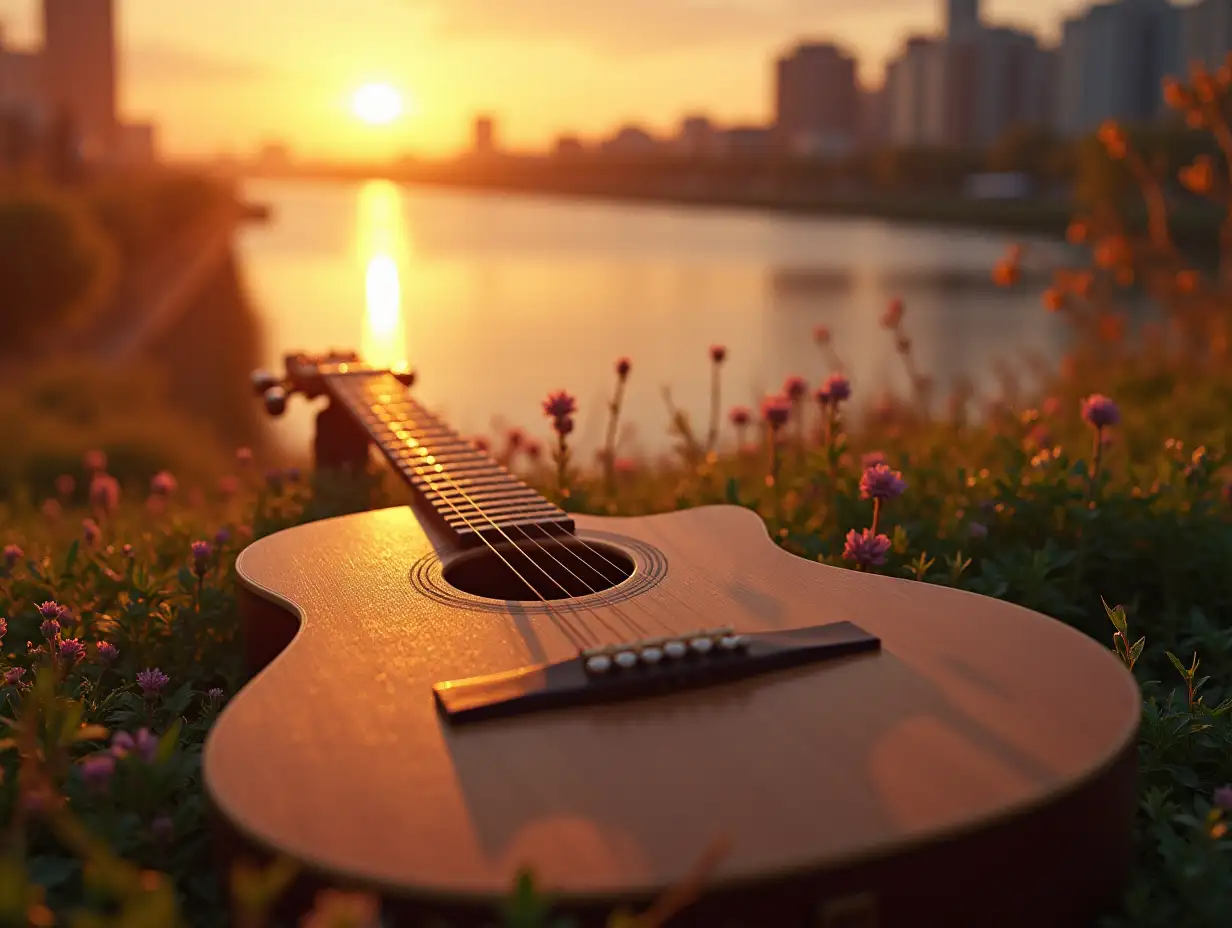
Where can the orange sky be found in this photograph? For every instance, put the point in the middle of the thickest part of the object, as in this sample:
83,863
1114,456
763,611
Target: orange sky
226,75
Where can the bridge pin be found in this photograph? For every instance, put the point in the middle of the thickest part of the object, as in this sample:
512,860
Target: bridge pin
651,655
626,659
675,649
599,663
732,642
701,645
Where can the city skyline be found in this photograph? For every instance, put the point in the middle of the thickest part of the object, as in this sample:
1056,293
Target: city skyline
222,76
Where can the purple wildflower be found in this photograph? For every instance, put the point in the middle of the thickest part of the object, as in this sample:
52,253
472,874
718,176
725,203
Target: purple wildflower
49,609
97,771
163,483
72,650
107,652
795,387
1100,411
880,482
775,410
718,354
201,553
152,681
222,537
214,694
866,548
872,459
4,628
104,493
740,416
143,744
837,387
95,461
90,531
560,404
623,366
977,529
563,426
13,675
1223,798
50,629
127,551
12,554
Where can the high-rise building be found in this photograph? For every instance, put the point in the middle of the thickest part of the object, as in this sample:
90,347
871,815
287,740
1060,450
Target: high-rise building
1112,61
485,136
697,137
906,79
21,85
962,17
79,50
817,105
1206,33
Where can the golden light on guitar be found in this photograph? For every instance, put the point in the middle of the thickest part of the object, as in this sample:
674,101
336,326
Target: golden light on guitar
599,699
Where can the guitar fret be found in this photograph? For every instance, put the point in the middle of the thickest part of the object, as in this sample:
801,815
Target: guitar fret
469,492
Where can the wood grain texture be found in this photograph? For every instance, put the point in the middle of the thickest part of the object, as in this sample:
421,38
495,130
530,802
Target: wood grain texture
976,718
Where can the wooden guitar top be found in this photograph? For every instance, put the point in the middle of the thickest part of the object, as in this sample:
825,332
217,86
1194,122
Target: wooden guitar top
972,710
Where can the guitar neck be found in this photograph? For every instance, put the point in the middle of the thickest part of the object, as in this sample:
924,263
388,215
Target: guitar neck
464,490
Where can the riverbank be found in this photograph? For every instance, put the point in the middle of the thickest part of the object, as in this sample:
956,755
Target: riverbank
768,189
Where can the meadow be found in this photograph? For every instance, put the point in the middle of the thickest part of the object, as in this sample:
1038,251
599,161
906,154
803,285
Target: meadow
1104,501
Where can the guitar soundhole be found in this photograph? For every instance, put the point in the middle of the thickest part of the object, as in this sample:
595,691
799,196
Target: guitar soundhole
529,572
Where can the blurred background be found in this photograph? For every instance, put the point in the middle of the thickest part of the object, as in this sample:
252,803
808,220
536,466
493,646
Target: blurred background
509,196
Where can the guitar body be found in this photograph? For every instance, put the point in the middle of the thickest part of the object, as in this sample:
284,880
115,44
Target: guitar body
978,769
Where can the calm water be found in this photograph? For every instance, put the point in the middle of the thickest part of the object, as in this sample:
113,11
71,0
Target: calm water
497,300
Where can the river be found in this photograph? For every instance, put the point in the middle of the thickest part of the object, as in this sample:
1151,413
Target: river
495,300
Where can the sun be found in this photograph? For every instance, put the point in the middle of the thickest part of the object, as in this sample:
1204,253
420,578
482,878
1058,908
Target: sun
377,104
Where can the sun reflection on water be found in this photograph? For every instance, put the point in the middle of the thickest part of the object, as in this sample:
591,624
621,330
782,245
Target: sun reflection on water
382,251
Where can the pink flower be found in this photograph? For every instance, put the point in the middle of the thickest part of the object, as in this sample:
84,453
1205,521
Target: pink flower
72,650
202,551
718,354
515,438
90,531
152,681
563,425
740,416
65,484
872,459
243,455
4,628
1051,406
51,510
795,387
1100,411
228,486
622,368
821,335
893,314
49,609
865,548
775,411
144,744
163,483
836,389
97,770
560,404
12,554
50,629
13,675
107,652
104,493
880,482
95,461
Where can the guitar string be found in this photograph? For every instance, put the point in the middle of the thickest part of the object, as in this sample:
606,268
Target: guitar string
636,627
689,607
419,472
577,638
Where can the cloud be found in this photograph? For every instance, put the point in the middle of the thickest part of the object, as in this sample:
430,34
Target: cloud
161,62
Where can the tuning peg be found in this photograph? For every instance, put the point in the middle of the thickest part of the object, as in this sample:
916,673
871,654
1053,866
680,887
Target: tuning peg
275,401
406,378
263,380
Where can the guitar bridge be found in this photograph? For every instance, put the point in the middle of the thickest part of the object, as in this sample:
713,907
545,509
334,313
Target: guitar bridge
647,667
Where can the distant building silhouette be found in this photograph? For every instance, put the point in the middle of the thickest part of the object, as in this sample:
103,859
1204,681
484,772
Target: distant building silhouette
1206,33
569,146
136,144
484,144
816,100
748,141
630,140
22,95
79,50
697,138
962,17
1111,63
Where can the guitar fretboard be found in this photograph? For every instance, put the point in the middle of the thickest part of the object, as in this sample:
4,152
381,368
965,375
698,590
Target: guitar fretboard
468,493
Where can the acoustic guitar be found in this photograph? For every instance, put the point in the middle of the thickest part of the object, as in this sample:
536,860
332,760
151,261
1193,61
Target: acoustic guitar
450,692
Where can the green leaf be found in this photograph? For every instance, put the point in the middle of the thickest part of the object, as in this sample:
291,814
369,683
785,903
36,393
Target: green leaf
167,743
1176,662
1117,617
1136,651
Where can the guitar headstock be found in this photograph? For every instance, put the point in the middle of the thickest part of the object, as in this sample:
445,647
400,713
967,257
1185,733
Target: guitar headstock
305,374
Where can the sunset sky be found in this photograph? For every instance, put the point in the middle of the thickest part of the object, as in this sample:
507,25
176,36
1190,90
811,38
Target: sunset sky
227,75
